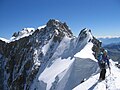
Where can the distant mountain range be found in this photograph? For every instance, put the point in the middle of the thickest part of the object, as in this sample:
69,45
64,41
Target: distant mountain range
109,40
114,51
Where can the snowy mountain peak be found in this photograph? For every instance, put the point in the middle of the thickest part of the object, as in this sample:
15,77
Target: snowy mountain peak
85,33
53,22
23,33
57,23
59,26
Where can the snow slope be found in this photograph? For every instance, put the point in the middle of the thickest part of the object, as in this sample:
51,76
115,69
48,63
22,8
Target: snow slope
86,52
66,73
58,73
72,62
110,83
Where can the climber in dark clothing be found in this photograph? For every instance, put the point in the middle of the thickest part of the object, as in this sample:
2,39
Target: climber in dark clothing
102,60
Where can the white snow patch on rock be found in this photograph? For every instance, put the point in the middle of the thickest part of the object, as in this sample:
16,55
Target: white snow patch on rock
86,52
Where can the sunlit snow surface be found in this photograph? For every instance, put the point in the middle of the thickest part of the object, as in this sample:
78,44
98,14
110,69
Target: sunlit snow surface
86,52
5,40
65,72
112,81
24,33
40,27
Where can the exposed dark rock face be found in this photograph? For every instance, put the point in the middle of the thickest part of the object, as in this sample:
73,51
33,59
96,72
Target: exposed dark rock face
97,47
2,46
24,57
60,27
1,72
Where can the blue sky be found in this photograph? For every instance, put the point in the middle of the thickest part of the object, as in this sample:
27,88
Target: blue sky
101,16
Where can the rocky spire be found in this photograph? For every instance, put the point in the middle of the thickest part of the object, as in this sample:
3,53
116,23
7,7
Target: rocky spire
61,27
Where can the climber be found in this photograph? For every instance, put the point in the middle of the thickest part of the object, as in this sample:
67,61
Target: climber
99,58
102,60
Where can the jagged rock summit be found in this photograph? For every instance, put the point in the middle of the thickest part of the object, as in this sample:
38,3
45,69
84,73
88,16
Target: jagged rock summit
48,58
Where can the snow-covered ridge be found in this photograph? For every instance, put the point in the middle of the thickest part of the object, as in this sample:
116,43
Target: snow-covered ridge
58,74
24,33
40,27
20,34
5,40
